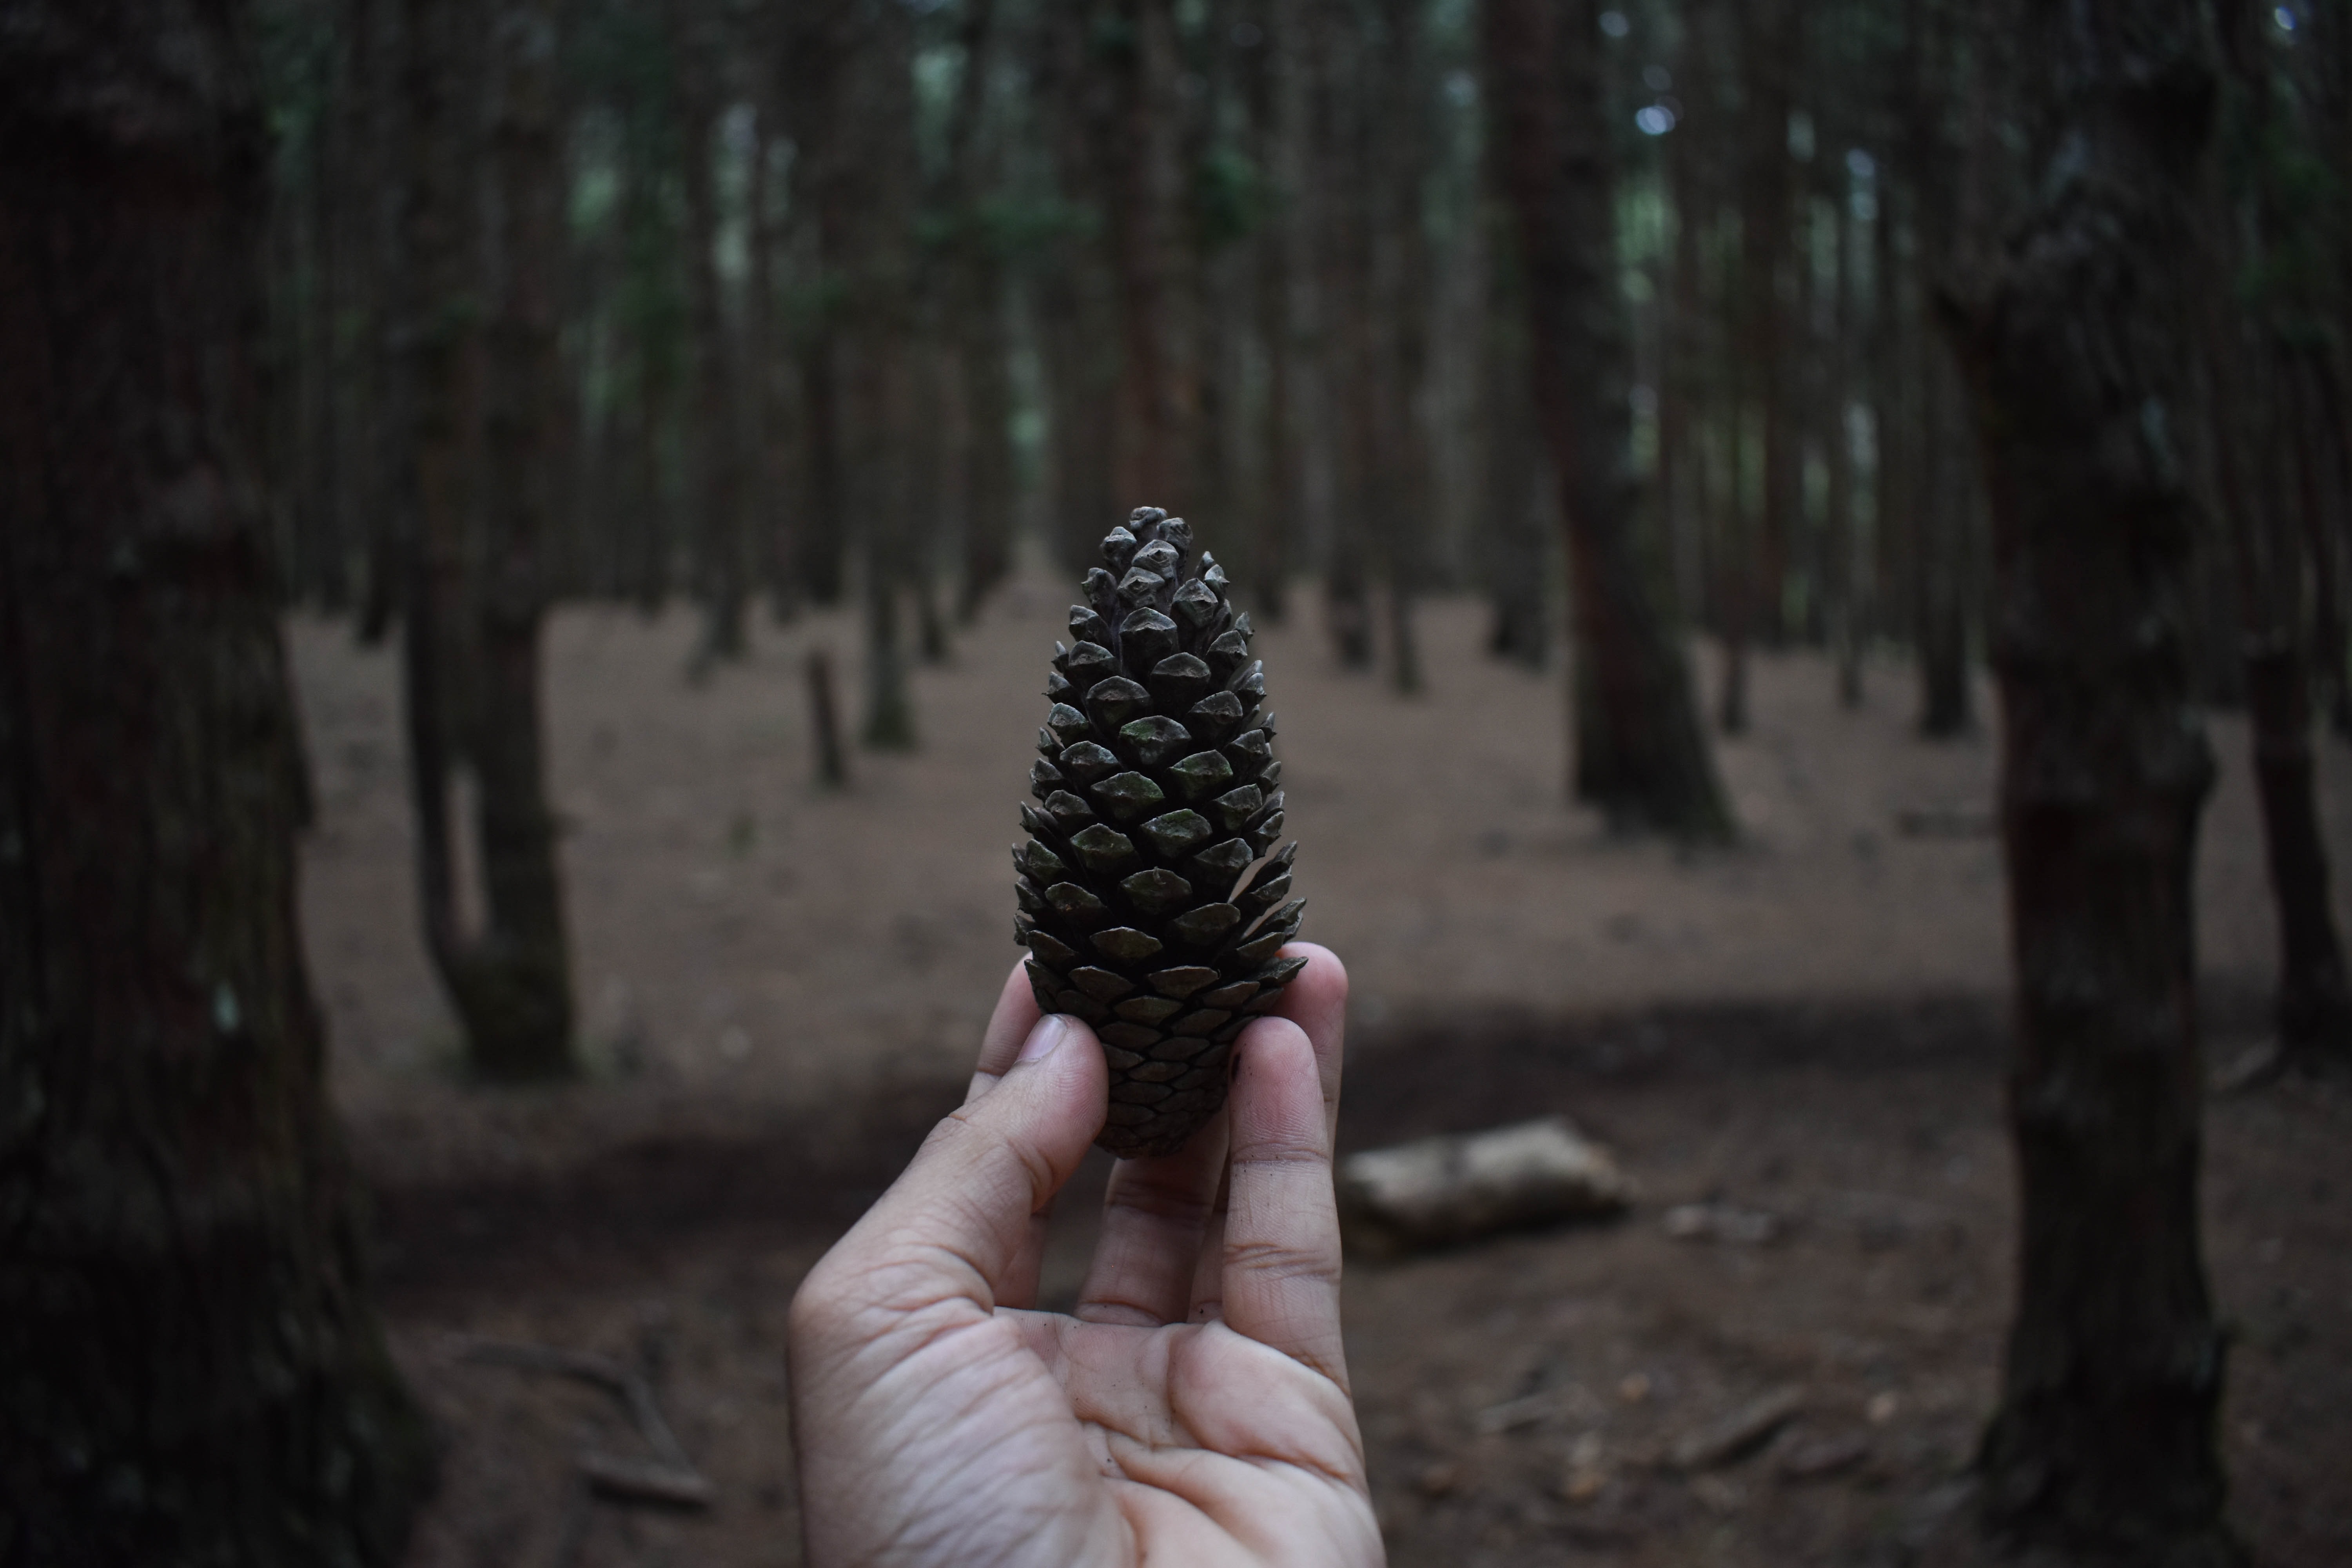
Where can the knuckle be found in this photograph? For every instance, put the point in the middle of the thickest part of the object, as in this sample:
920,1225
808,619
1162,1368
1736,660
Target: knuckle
1283,1261
966,1131
1162,1204
821,1309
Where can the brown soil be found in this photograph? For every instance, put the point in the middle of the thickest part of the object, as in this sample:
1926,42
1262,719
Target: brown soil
782,987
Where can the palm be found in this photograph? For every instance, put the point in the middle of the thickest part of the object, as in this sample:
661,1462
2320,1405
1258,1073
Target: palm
1151,1425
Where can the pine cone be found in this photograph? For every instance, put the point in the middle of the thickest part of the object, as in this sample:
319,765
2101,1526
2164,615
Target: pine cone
1157,792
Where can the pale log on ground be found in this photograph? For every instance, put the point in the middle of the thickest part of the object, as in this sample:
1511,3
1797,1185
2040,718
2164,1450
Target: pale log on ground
1443,1190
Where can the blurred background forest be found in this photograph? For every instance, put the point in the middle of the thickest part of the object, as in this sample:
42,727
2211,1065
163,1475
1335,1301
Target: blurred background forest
684,422
795,302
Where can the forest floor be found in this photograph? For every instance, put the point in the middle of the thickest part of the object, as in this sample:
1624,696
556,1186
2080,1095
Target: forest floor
780,988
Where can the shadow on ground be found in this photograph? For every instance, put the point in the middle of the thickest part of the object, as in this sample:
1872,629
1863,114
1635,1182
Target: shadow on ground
1524,1400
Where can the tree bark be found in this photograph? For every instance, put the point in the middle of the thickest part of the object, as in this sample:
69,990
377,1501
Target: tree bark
1075,298
1273,97
1401,111
768,462
193,1370
983,369
1769,36
477,596
1641,755
1940,625
1843,582
2259,464
2103,1445
1158,402
1345,239
722,567
1511,507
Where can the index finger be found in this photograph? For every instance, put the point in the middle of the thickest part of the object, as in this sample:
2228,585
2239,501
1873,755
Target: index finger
1016,1014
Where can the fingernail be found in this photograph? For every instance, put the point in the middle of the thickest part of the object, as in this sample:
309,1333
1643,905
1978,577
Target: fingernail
1050,1032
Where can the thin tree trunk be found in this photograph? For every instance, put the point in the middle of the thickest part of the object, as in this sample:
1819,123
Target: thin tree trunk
1274,118
1678,370
1401,493
1953,218
2323,446
770,516
872,174
1939,557
194,1372
1843,582
523,945
2105,1440
1155,402
1343,266
985,354
722,576
832,759
1640,754
381,39
1076,303
2258,468
1770,33
472,644
821,556
1512,537
982,366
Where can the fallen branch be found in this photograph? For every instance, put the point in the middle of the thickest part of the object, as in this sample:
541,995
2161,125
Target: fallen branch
646,1480
670,1478
1446,1190
1740,1434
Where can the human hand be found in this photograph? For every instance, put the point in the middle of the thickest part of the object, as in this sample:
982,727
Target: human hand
1193,1410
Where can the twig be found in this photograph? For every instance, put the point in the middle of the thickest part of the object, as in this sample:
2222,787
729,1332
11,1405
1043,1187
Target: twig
645,1480
670,1478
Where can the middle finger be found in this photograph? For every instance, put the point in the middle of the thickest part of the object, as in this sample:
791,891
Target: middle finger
1154,1216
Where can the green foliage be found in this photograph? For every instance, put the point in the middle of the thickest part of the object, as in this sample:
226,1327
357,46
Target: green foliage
1229,197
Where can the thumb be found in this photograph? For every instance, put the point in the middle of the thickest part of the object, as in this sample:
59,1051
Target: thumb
954,1221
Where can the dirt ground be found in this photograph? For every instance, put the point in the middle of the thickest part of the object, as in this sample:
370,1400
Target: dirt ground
780,988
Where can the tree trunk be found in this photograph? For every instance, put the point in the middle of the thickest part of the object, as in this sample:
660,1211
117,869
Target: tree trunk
2314,1005
1679,367
1843,582
381,246
1938,556
1895,327
477,595
822,540
984,362
2323,448
1770,33
522,889
1075,300
2104,1444
770,516
1641,755
1948,73
1156,401
2257,452
983,369
1345,239
194,1372
1274,98
1402,106
872,174
1511,504
723,570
